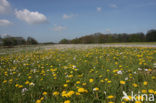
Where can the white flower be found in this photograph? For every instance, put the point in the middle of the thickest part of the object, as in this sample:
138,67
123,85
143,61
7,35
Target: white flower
134,72
119,72
32,84
74,66
104,92
139,69
146,69
24,90
126,78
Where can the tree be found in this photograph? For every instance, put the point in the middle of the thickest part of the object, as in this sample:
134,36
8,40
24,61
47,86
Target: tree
64,41
151,35
12,41
31,40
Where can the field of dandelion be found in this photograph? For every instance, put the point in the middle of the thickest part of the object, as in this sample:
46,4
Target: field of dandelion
90,75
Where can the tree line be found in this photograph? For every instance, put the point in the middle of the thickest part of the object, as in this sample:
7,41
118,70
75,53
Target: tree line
13,41
150,36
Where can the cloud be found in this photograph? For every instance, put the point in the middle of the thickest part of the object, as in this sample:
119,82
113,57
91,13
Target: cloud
99,9
113,6
65,16
30,17
4,6
59,28
4,22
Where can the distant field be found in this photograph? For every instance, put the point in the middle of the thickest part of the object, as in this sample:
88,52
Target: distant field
80,73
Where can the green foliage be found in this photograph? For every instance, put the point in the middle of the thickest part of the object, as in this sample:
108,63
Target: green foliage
12,41
31,41
112,38
151,35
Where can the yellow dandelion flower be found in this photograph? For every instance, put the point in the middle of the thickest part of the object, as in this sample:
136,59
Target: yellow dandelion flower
55,93
122,82
67,101
91,80
44,93
145,83
110,96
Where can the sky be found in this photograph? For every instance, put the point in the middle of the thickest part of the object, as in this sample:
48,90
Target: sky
53,20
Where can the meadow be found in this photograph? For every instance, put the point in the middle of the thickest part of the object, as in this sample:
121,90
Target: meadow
90,75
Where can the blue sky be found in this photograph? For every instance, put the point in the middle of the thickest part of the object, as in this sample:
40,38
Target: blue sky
53,20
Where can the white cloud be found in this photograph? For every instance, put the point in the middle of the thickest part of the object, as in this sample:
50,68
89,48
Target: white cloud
4,6
113,6
59,28
30,17
4,22
65,16
99,9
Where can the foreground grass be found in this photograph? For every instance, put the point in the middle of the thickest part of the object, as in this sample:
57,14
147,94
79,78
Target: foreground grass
96,75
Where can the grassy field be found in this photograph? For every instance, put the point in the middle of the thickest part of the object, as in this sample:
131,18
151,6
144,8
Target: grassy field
90,75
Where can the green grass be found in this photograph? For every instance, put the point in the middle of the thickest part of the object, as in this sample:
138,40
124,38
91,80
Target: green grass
33,75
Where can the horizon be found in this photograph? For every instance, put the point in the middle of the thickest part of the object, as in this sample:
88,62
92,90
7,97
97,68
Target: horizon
51,21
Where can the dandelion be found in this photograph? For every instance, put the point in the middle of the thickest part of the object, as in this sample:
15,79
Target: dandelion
67,101
82,90
135,85
55,93
151,91
91,80
65,85
145,83
84,84
44,93
38,101
122,82
144,91
110,96
96,89
31,84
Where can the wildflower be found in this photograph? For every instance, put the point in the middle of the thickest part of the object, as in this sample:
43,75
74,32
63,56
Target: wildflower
77,93
145,83
122,82
110,102
81,90
4,81
55,93
144,91
84,84
67,81
24,90
109,81
38,101
65,85
126,78
151,91
139,69
20,86
110,96
16,85
44,93
67,101
95,89
27,82
91,80
78,82
119,72
31,84
135,85
137,102
101,81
